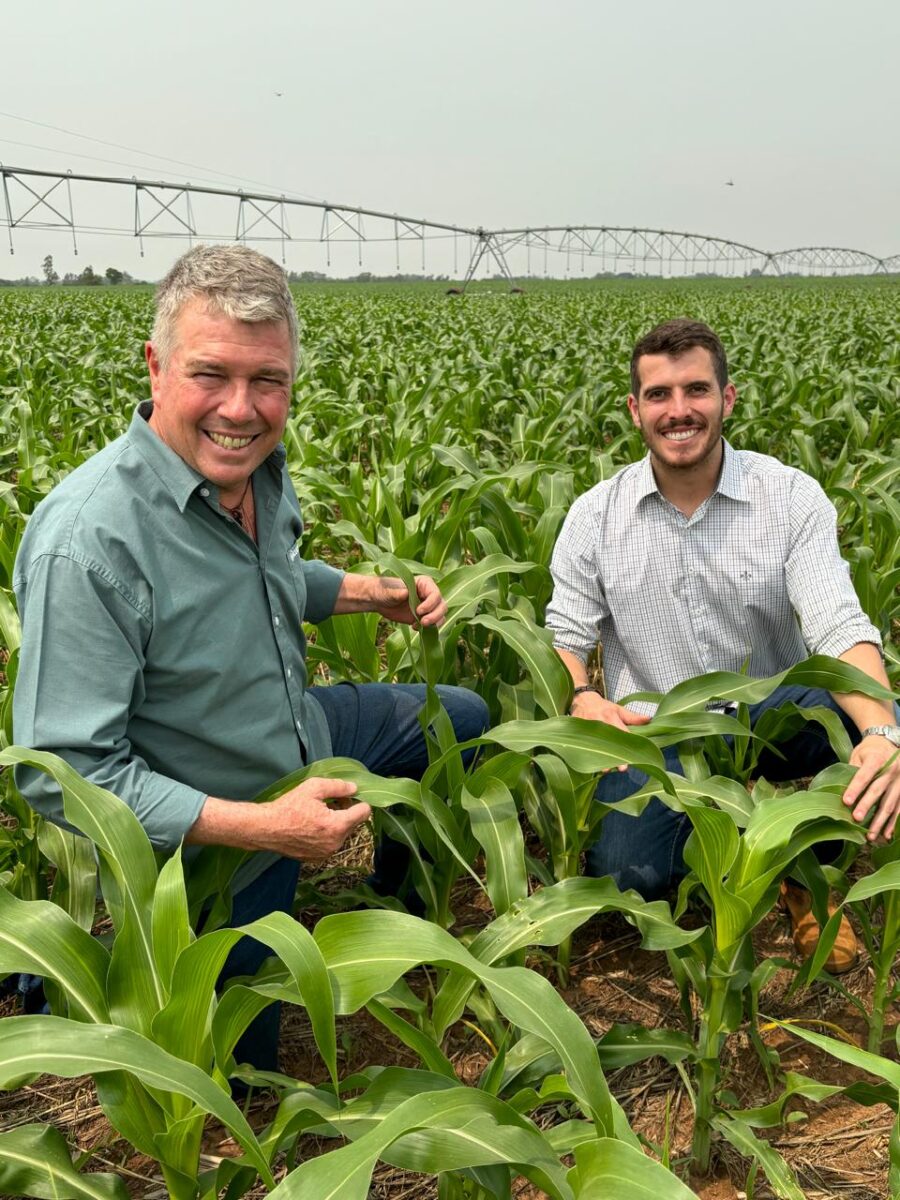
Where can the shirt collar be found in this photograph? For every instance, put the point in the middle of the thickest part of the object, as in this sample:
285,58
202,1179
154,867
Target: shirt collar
731,478
645,480
172,471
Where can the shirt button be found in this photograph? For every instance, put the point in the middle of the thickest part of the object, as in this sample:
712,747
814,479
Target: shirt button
277,622
204,492
289,672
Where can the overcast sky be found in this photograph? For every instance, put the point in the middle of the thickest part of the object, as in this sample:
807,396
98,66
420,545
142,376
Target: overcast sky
527,113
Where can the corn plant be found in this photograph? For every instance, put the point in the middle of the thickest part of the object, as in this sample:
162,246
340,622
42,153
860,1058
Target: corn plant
875,902
141,1016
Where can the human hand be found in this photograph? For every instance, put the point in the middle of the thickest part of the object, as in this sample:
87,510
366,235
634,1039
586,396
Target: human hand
312,820
876,782
591,706
390,598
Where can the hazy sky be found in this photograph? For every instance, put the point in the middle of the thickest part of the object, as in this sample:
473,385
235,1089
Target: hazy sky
471,112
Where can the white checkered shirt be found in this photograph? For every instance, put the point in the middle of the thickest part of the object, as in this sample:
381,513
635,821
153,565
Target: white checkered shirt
755,574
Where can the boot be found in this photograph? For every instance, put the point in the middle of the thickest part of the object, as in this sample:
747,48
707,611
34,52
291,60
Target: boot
797,901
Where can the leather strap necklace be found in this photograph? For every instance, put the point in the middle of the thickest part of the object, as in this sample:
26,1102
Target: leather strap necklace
237,511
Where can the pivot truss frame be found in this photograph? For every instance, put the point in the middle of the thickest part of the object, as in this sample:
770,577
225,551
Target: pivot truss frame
36,199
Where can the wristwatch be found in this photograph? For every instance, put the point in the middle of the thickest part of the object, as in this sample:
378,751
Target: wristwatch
891,732
587,687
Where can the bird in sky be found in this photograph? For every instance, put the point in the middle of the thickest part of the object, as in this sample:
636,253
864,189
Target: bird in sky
729,183
279,93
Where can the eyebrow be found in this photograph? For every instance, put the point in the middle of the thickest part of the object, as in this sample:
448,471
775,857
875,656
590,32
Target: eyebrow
667,387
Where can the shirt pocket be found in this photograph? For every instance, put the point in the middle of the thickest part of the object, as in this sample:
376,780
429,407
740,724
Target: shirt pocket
762,595
297,578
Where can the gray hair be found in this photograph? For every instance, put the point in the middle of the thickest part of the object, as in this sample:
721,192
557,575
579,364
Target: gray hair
235,281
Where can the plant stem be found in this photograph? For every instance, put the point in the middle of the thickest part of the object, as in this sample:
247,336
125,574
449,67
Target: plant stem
179,1186
707,1071
879,999
568,868
563,959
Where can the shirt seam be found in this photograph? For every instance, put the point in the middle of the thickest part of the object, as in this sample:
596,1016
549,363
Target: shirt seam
102,572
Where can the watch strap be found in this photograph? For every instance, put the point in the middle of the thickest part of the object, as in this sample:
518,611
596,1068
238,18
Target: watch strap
891,732
586,687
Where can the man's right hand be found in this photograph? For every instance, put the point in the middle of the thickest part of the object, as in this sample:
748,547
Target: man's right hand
310,822
313,820
592,707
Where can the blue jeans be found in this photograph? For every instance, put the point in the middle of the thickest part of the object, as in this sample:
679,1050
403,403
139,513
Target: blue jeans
377,724
646,852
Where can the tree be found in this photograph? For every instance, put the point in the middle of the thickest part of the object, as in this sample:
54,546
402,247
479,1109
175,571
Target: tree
50,275
114,275
87,278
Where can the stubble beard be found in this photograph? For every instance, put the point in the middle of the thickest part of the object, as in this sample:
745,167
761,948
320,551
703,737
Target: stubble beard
713,433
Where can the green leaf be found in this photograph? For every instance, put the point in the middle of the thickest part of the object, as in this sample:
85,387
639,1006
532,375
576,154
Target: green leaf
299,952
883,1068
35,1161
366,951
710,852
586,746
169,919
547,918
495,824
550,679
42,939
624,1045
818,671
438,1131
426,1048
779,1174
75,885
607,1169
134,987
466,587
182,1026
886,879
769,1116
69,1048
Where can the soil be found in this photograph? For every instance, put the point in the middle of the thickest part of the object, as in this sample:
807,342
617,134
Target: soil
837,1148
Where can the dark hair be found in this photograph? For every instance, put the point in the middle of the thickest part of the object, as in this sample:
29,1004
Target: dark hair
675,338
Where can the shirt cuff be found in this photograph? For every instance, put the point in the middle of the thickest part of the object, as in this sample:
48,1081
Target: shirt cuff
839,642
322,586
560,642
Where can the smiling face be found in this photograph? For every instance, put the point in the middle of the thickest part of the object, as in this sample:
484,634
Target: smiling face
222,400
681,409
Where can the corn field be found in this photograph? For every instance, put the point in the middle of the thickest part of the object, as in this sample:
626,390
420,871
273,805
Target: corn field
449,436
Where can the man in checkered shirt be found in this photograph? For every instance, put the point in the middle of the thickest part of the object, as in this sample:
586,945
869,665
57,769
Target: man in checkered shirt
703,558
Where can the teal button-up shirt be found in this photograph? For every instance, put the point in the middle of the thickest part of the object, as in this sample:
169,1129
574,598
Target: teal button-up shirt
162,651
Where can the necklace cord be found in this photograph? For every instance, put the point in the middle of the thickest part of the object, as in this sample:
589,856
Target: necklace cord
236,512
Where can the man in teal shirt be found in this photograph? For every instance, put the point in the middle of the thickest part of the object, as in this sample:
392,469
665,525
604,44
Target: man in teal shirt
168,566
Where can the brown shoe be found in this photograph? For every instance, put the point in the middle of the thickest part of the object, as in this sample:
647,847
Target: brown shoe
798,902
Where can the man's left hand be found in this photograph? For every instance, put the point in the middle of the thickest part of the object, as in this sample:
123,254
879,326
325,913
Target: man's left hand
390,597
875,783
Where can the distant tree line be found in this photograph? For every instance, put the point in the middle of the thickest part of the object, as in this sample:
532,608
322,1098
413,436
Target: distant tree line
363,277
86,278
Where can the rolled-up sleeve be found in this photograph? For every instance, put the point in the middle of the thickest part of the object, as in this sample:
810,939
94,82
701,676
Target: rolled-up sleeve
80,675
818,578
578,604
322,586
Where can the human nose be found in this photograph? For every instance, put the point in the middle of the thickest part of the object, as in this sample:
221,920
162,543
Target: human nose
236,402
679,403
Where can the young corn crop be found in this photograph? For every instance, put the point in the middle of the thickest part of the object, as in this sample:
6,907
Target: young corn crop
443,437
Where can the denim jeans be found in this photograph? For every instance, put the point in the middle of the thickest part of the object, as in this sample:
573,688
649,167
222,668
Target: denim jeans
646,852
377,724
